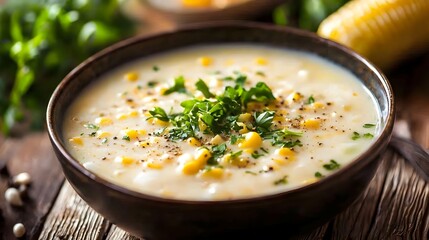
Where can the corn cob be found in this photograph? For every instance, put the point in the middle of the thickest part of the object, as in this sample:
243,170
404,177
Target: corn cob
386,32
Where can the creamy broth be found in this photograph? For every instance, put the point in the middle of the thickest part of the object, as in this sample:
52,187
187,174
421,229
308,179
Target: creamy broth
125,126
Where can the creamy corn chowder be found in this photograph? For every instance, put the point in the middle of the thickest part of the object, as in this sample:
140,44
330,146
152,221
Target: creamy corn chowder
221,122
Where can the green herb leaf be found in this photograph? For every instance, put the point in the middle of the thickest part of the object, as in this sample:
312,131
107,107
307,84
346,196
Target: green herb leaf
318,175
281,181
202,87
179,86
310,100
91,126
355,136
159,113
152,84
155,68
126,138
368,135
332,165
369,125
256,154
250,172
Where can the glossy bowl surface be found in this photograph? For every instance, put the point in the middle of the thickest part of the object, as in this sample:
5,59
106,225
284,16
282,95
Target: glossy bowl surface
157,218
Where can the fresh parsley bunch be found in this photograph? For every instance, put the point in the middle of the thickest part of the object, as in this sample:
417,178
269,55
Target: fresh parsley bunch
41,41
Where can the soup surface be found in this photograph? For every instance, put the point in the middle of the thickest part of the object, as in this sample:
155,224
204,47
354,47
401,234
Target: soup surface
221,122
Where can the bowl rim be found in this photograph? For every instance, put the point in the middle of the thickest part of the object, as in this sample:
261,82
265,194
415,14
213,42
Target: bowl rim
382,138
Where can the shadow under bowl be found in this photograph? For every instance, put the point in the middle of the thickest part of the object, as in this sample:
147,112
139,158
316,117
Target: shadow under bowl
157,218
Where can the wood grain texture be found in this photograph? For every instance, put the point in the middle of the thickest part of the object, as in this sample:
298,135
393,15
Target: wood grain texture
71,218
32,154
116,233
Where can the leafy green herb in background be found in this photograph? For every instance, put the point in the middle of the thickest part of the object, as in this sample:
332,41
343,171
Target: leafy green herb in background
41,41
306,14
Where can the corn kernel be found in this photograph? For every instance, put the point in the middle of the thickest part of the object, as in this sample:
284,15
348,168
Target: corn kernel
76,140
251,140
103,134
159,122
122,116
103,121
161,90
192,167
205,61
193,142
244,117
197,3
286,152
216,173
216,140
132,133
153,165
201,125
124,160
202,155
144,144
278,119
133,114
347,108
131,76
294,97
318,105
243,129
261,61
311,123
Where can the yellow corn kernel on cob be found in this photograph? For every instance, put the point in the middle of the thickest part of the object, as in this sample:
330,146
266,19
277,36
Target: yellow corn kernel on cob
384,31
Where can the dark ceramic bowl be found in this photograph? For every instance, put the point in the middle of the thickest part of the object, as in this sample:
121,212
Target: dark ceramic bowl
157,218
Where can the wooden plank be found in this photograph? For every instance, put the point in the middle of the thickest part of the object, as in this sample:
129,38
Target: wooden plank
363,210
33,154
404,205
116,233
71,218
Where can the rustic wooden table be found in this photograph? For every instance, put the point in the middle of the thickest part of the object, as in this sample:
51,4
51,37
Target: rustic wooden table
395,205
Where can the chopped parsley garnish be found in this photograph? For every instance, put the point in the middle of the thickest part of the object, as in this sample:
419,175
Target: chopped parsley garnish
281,181
310,100
92,134
91,126
235,138
332,165
256,154
251,173
217,152
369,125
236,154
126,138
179,86
152,84
155,68
368,135
104,140
357,135
318,175
202,87
259,73
159,113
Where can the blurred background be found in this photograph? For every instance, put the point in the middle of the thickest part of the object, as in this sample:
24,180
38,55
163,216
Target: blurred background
42,40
